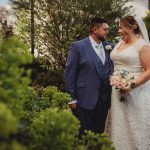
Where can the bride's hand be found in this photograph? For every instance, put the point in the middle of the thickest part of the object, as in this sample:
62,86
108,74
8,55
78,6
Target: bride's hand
125,92
115,83
126,88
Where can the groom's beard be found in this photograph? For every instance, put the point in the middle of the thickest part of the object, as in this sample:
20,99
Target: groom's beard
101,38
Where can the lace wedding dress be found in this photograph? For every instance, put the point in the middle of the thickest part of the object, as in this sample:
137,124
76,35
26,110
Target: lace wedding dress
129,121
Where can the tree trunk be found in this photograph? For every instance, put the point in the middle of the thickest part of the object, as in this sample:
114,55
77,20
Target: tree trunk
32,27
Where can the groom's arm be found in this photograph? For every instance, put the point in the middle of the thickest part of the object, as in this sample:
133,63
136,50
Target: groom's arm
71,70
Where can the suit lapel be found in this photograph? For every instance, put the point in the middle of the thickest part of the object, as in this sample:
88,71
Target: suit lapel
106,55
95,58
108,60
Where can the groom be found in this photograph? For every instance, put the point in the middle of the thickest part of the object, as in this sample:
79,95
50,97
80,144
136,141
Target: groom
87,72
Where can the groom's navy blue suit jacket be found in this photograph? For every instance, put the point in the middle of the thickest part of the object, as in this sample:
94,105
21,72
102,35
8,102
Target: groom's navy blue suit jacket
86,77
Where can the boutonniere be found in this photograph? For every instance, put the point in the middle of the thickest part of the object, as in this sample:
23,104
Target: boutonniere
108,48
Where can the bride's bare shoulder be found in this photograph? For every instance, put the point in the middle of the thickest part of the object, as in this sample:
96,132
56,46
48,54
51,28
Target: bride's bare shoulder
142,44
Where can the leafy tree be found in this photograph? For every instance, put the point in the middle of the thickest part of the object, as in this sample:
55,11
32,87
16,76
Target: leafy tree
26,26
58,23
3,14
147,22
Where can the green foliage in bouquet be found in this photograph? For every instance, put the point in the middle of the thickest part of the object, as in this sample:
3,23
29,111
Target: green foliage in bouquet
54,130
147,22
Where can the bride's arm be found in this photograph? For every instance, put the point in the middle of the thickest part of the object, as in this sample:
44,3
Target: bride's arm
145,61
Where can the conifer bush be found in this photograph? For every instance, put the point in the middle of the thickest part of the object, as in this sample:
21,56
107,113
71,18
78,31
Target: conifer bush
8,122
54,130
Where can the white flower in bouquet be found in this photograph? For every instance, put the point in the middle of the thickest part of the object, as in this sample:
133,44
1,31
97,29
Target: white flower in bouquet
122,79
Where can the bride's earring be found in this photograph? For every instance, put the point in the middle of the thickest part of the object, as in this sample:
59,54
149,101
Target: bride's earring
139,35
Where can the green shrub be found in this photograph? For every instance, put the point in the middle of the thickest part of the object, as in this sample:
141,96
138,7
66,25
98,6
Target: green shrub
35,103
30,109
60,100
49,91
8,123
31,100
54,130
43,75
11,146
14,77
92,141
47,96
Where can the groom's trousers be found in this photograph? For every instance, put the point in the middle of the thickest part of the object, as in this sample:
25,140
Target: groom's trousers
94,119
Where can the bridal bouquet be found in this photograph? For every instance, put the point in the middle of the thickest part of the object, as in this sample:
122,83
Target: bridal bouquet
122,80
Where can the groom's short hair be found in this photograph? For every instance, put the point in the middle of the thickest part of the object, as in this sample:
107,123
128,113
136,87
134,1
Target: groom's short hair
96,22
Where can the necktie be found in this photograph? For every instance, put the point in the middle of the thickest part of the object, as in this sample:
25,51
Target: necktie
100,53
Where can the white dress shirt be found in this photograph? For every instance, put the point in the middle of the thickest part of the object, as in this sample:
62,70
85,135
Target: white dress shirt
98,48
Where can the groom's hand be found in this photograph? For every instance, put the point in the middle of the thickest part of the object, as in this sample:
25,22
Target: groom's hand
72,104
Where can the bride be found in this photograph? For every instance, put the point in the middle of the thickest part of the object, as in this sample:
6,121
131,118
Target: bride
130,120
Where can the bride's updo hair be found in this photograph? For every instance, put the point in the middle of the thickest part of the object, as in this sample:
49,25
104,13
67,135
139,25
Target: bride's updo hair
129,22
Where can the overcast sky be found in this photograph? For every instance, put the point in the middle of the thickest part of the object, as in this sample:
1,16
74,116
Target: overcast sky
3,2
